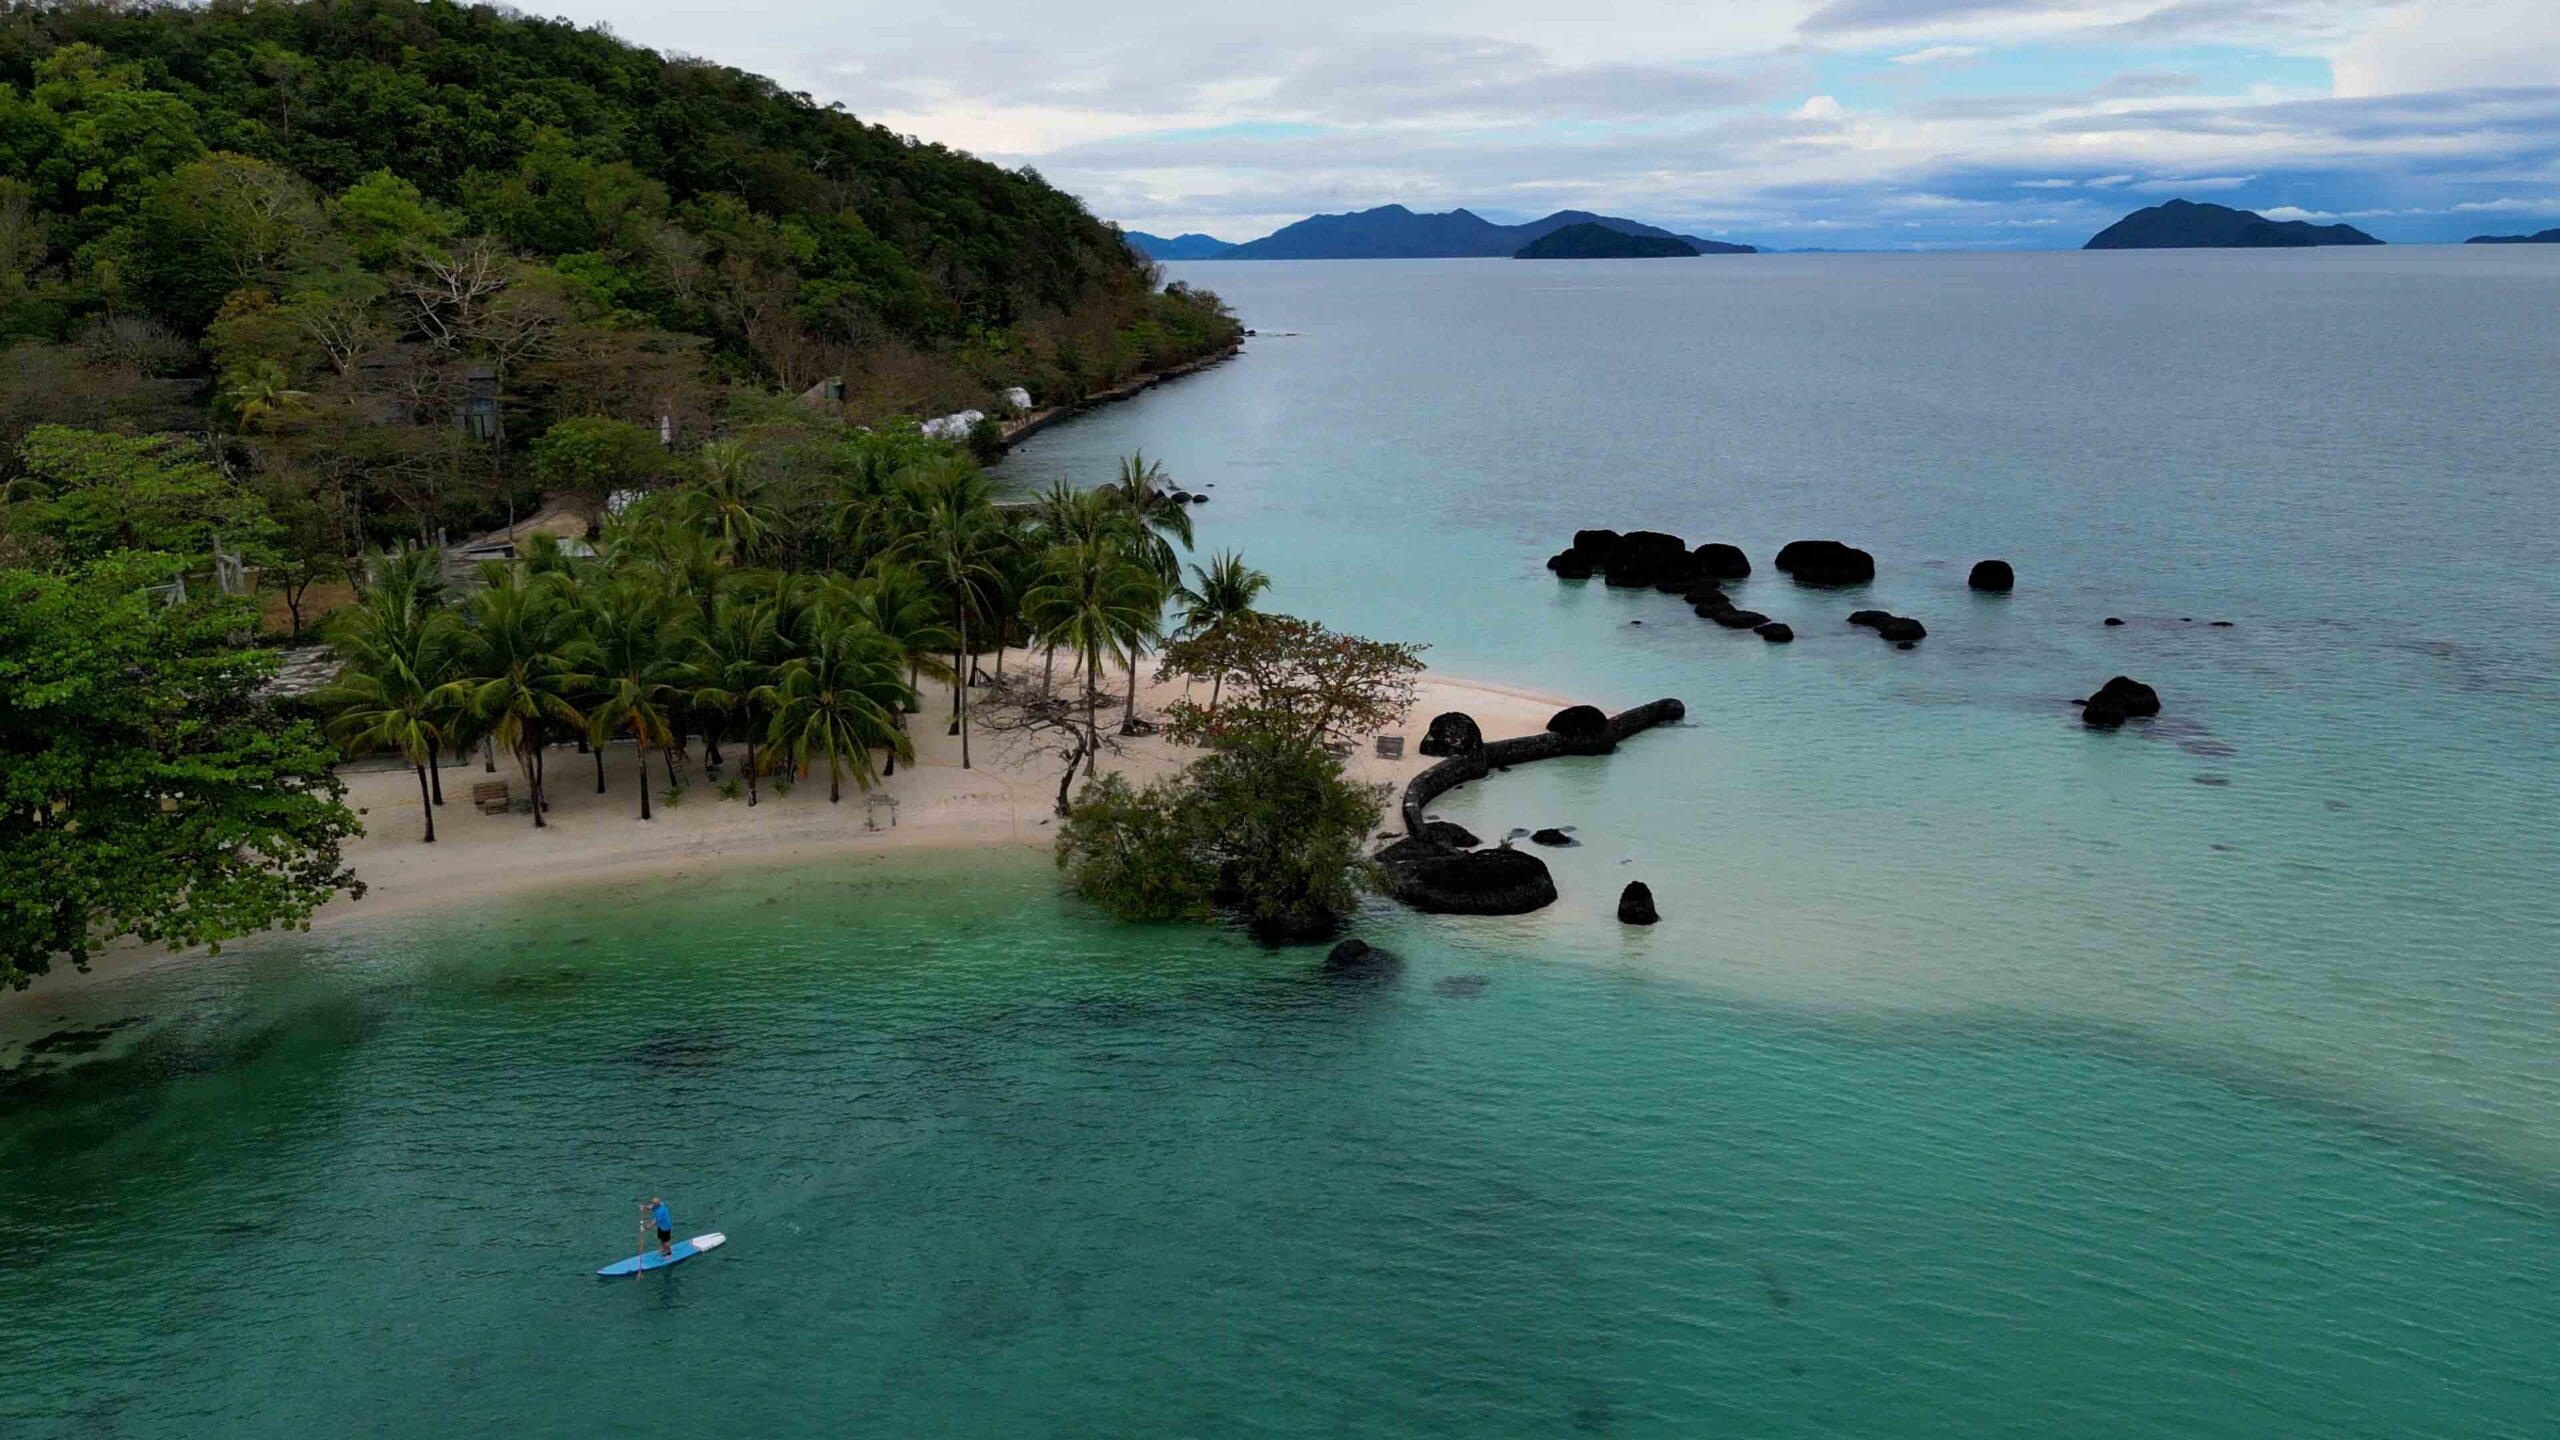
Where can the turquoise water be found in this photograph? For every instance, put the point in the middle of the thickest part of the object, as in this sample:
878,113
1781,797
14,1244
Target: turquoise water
1986,1077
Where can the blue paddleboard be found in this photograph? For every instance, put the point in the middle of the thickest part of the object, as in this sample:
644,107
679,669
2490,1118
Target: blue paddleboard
648,1260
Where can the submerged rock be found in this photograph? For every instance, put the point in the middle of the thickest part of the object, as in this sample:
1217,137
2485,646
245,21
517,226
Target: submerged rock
2129,695
1570,565
1992,575
1733,619
1635,904
1357,958
1900,628
2112,622
1826,562
1551,836
1776,632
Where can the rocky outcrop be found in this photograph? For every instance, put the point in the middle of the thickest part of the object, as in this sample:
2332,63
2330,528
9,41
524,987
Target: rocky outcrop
1635,904
1737,619
1721,562
1452,733
1993,576
1433,877
1826,562
2120,699
1636,560
1901,629
1570,565
1551,837
1776,632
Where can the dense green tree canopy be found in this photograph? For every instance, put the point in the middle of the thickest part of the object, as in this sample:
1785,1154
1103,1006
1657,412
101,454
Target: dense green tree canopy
145,790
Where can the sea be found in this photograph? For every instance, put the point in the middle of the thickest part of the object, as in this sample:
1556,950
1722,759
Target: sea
1986,1075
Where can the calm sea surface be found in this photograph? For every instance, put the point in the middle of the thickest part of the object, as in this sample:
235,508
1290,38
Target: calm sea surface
1985,1077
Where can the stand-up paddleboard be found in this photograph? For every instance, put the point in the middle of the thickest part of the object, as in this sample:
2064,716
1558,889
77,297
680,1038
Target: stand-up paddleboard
650,1259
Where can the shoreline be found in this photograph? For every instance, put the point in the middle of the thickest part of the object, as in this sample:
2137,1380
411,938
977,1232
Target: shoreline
1004,801
1014,432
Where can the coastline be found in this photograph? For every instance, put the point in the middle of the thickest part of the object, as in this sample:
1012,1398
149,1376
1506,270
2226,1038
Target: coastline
1003,801
1013,432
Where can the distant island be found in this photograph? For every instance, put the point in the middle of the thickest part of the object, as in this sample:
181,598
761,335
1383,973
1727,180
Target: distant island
2186,225
1180,247
1392,232
1587,241
2539,237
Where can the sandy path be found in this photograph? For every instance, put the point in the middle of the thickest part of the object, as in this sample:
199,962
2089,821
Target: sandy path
1005,799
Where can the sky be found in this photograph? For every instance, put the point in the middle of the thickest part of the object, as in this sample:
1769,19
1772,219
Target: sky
1903,124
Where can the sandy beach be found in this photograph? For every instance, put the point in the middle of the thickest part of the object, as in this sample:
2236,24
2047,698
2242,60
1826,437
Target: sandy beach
1005,798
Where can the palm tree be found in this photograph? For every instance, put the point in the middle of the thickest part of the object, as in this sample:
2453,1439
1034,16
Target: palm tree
633,680
1098,603
735,661
840,696
1220,593
383,696
728,502
519,668
955,544
1153,521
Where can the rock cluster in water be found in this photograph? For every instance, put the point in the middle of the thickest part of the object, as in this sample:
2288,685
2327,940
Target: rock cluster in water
1647,560
1826,562
2117,701
1901,629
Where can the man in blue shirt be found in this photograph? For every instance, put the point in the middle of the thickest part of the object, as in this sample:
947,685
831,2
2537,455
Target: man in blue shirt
666,1224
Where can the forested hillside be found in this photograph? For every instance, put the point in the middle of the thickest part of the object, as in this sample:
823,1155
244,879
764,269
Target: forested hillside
370,252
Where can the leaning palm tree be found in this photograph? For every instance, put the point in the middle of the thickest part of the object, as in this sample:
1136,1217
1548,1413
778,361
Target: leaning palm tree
383,697
1220,593
840,697
519,671
1097,603
633,677
734,663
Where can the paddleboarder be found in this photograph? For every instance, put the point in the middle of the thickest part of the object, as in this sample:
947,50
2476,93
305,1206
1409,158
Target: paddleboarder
666,1224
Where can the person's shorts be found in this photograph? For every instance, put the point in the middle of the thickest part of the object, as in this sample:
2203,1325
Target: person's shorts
665,1235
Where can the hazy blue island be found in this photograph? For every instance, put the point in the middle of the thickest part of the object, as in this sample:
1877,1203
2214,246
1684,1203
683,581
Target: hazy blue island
1180,247
1587,241
2187,225
1392,232
2539,237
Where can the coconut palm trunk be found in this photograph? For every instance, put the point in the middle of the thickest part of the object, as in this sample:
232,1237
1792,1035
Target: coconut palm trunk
960,687
426,805
1129,716
435,772
598,752
751,767
643,740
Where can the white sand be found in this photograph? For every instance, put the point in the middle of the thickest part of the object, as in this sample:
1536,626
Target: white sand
1007,798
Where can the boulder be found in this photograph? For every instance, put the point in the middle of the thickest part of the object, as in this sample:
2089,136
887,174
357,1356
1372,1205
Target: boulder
1739,619
1902,628
1357,958
1776,632
1872,619
1635,904
1702,591
1451,834
2113,622
1452,732
2100,713
1826,562
1992,575
1570,565
1722,562
2129,695
1596,543
1473,882
1580,722
1550,836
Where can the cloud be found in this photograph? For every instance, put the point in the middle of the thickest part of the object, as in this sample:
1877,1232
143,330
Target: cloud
1938,55
2193,184
2106,181
1820,107
2508,207
2044,184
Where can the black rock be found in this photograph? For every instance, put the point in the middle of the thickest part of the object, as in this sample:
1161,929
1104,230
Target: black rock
1635,904
1451,834
1550,836
2113,621
1358,958
1739,619
1179,497
1570,565
2100,713
1723,562
1907,645
1826,562
2129,695
1902,628
1776,632
1199,499
1595,543
1471,882
2221,624
1452,733
1992,575
1872,619
1580,722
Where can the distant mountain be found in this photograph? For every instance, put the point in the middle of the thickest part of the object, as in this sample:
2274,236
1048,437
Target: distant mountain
2185,225
1392,232
1180,247
1587,241
2542,237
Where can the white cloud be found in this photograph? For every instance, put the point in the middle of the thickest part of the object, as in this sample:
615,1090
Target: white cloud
2194,185
2507,206
2046,184
1938,55
1820,107
2106,181
2323,217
